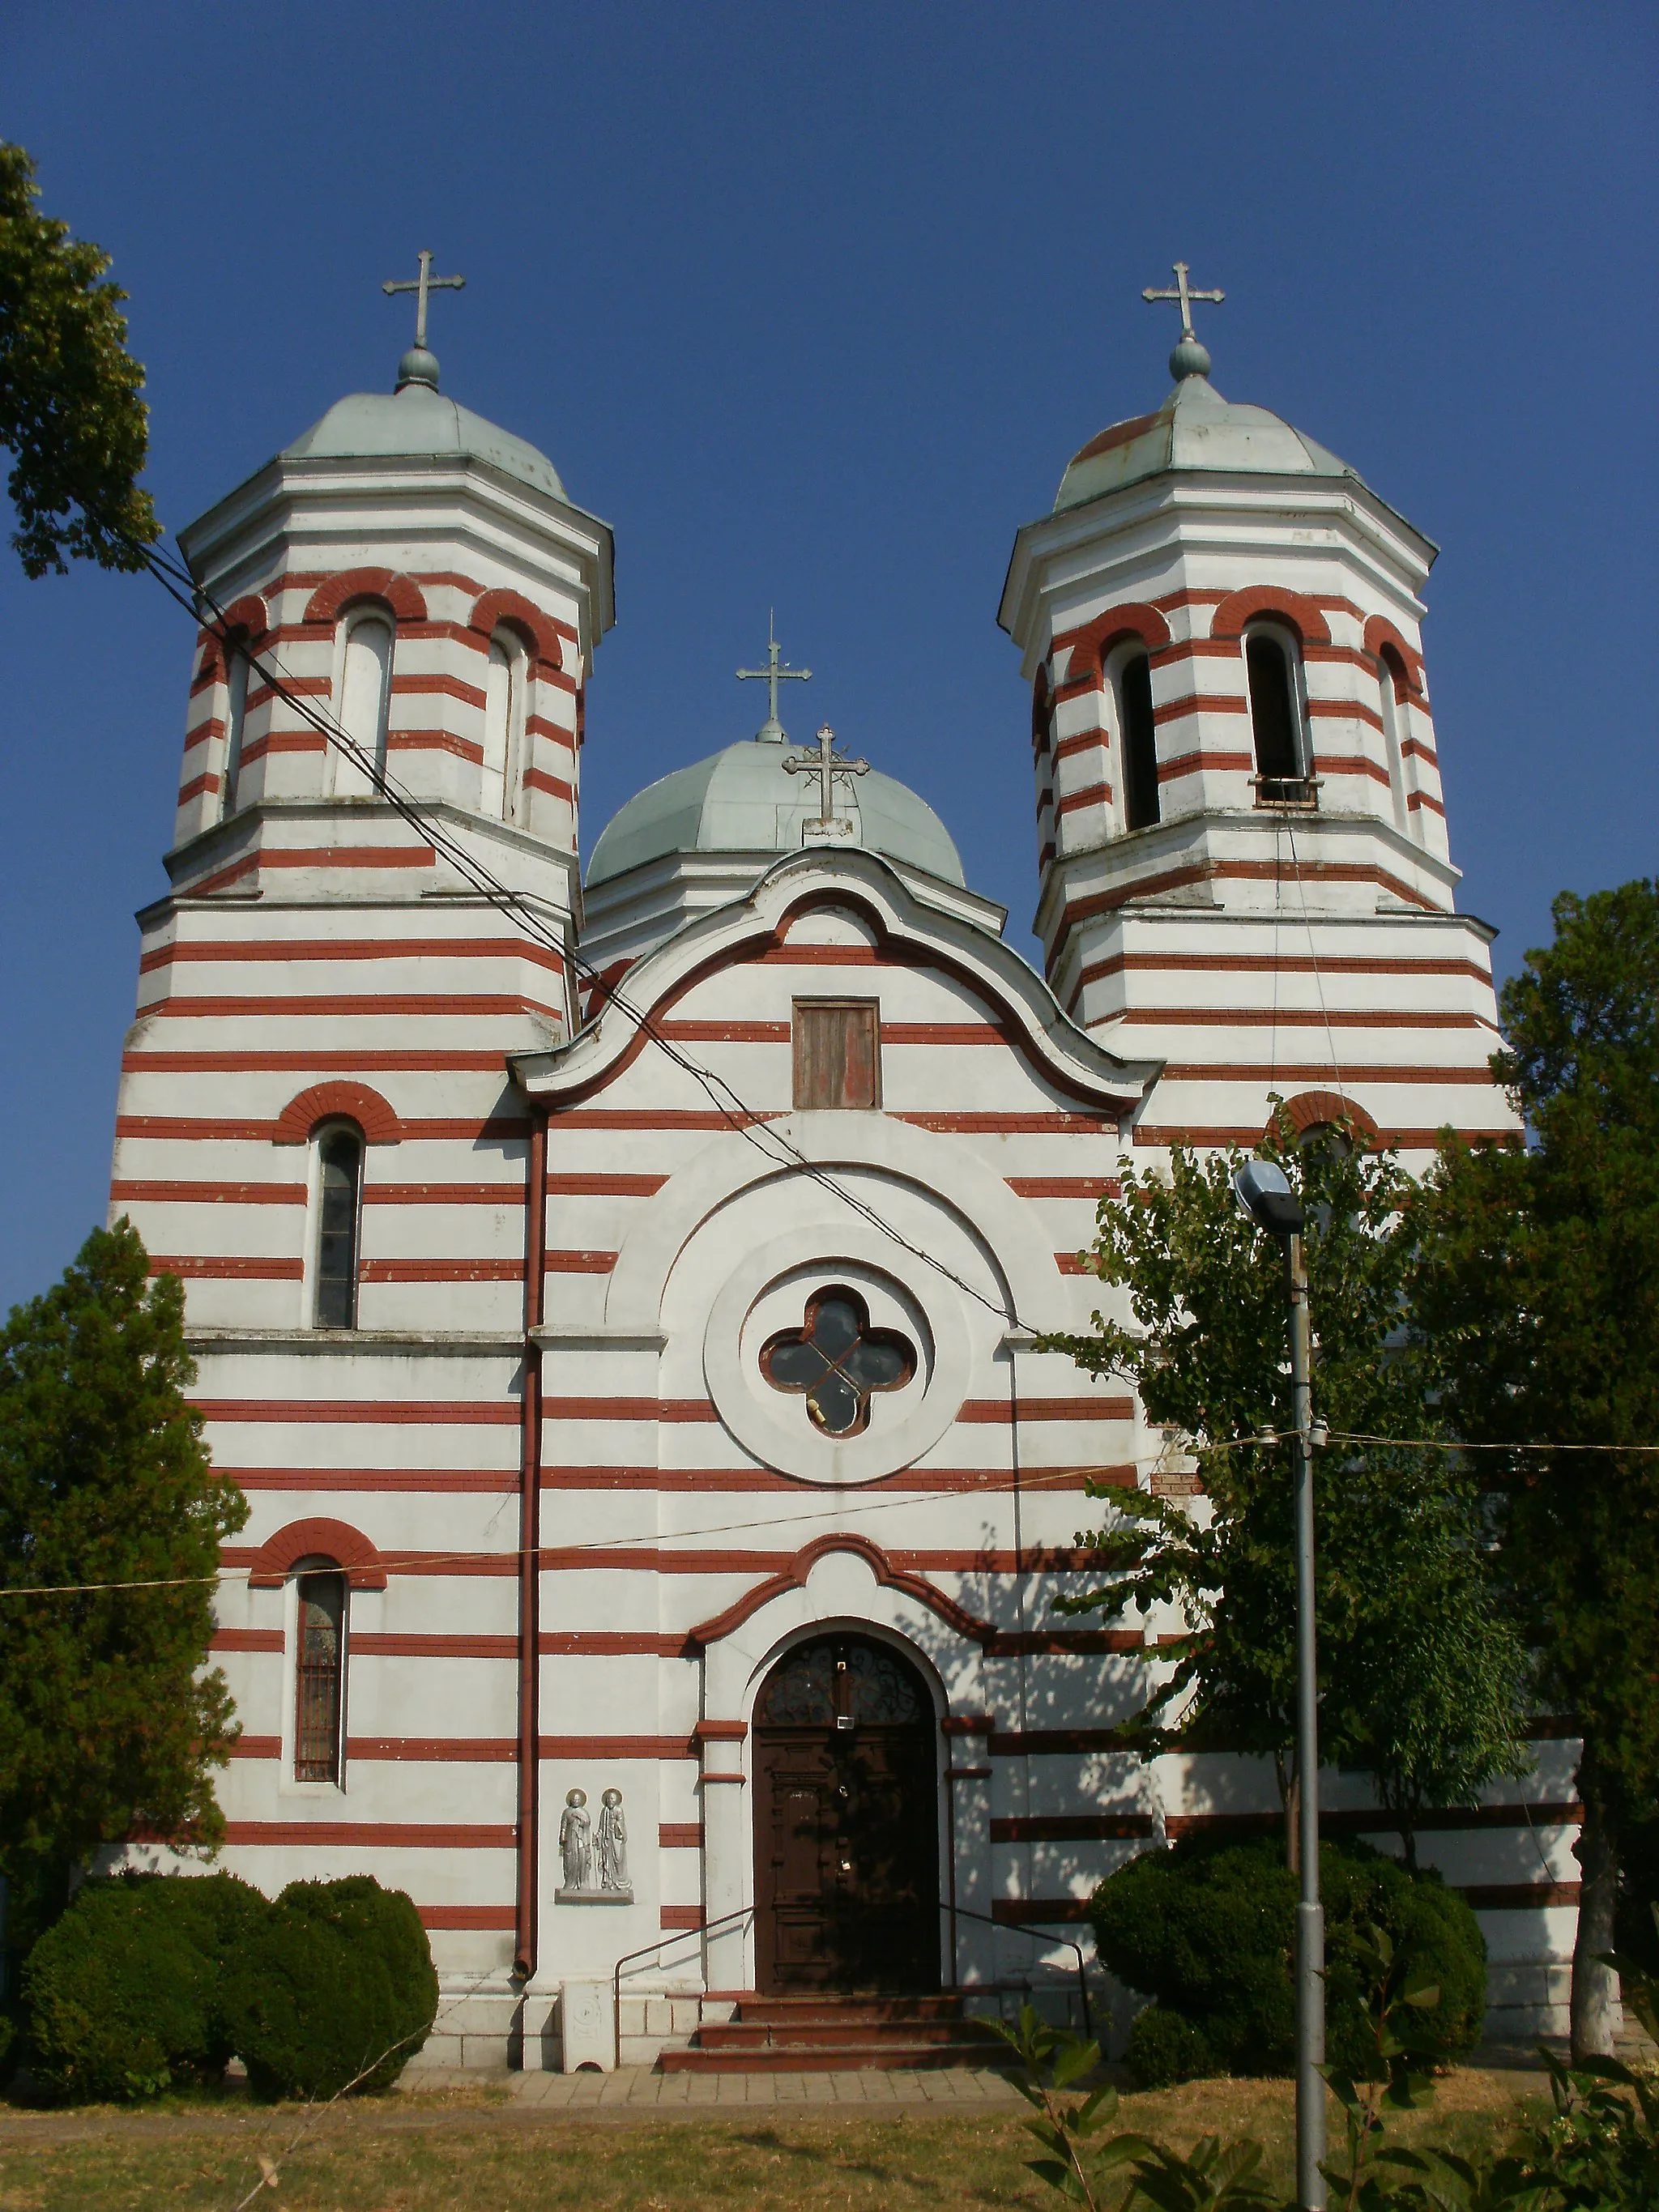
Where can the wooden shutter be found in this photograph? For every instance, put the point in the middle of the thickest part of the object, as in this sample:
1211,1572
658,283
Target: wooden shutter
837,1053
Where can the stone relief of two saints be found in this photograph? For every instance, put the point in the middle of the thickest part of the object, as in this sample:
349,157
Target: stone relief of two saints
593,1857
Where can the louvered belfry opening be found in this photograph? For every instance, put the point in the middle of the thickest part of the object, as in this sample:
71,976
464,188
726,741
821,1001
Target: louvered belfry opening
319,1676
837,1054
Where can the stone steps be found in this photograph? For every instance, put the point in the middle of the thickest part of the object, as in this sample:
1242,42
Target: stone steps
777,2035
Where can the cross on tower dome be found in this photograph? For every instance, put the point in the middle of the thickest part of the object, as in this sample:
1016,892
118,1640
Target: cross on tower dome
419,365
771,730
827,764
1189,357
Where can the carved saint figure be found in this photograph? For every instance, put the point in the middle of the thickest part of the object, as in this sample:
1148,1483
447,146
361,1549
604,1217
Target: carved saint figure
612,1841
575,1841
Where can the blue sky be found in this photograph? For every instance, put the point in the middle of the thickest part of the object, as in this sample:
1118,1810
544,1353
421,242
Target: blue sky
813,304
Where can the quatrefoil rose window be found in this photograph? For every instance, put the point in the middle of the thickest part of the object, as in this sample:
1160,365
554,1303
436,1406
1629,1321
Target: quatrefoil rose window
837,1361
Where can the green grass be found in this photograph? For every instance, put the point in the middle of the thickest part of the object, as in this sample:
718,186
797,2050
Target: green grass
464,2152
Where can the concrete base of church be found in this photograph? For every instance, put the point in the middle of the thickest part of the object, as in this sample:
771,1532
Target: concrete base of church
500,2028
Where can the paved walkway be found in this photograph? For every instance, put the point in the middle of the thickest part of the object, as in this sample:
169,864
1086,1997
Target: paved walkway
638,2089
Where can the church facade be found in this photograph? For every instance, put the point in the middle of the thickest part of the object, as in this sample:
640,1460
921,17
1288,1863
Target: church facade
618,1299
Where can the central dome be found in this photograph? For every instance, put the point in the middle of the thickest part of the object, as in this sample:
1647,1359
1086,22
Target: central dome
742,800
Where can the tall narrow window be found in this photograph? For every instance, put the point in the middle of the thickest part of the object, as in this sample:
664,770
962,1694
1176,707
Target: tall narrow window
319,1676
365,690
235,716
1275,719
1394,738
1134,696
503,728
837,1053
339,1180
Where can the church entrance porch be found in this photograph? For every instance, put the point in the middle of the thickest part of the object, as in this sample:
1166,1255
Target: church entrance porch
846,1823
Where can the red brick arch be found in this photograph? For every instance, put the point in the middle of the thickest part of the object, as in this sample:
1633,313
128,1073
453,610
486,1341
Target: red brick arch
511,609
1295,608
346,1101
401,594
337,1541
1094,640
1381,636
1316,1109
249,616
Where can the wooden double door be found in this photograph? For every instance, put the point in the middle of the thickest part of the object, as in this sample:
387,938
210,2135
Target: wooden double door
846,1823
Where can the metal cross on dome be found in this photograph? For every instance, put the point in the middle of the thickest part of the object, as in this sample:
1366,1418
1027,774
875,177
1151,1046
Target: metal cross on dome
420,285
826,763
1182,291
772,675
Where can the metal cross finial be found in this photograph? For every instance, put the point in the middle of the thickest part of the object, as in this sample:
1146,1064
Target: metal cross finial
1184,292
826,763
420,285
772,675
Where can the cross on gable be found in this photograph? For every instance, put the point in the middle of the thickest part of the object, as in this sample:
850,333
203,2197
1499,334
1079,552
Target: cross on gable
826,763
772,675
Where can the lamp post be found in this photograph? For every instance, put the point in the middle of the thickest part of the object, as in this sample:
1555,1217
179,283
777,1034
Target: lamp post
1264,1192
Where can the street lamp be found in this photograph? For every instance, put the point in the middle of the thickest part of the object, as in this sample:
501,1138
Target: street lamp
1264,1192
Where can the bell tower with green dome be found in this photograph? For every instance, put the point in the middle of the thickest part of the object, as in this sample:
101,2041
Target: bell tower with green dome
1242,852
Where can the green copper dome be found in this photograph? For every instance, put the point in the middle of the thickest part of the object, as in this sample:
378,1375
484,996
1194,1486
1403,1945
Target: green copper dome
1194,428
417,422
741,800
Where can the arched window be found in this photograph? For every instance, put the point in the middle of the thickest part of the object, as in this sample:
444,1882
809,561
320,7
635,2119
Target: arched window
504,701
1393,733
1276,720
365,692
339,1191
1134,710
318,1672
235,716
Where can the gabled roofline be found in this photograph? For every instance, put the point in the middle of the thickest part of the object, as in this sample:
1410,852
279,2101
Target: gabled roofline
1030,1016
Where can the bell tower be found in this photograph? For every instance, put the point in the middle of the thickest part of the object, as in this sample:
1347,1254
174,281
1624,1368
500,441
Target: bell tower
419,577
1243,852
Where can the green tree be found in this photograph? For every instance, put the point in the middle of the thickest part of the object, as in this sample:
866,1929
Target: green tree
1420,1679
1538,1298
70,412
108,1720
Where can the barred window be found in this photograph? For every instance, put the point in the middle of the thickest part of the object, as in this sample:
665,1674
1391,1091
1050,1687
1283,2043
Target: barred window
319,1676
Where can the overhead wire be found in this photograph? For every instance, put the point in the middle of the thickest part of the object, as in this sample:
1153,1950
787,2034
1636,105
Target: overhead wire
751,1123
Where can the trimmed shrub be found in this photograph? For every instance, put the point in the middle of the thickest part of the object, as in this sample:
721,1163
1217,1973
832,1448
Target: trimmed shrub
126,1994
1208,1931
1166,2047
335,1982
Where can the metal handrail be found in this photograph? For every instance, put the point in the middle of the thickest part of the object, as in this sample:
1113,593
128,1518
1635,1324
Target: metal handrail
676,1936
1031,1936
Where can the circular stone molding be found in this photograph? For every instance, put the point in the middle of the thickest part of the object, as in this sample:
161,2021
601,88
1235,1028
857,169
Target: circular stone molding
768,1291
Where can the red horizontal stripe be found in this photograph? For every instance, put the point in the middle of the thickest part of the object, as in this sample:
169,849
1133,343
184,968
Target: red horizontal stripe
423,1412
442,1271
372,1478
342,1059
407,1643
617,1746
210,1194
193,1267
580,1263
605,1186
443,1194
190,1129
376,948
246,1639
351,1007
478,1917
687,1917
1048,1409
608,1643
435,1750
398,1835
1011,1125
1064,1186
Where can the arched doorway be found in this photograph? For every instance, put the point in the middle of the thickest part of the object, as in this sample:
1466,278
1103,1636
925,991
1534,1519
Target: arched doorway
845,1822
